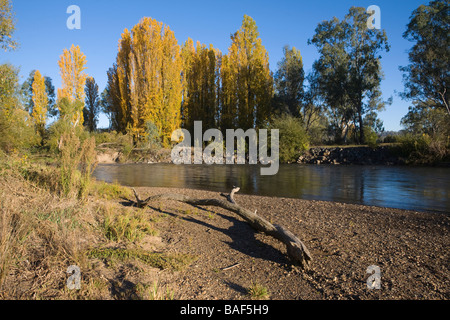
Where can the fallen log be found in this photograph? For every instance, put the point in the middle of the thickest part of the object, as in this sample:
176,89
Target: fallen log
296,250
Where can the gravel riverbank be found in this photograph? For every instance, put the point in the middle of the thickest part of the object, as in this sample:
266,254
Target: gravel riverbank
410,248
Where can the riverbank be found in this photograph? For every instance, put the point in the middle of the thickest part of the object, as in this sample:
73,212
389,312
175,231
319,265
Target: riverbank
410,248
361,155
334,155
171,250
175,251
382,155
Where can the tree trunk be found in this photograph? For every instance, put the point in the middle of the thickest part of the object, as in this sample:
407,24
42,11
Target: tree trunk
296,250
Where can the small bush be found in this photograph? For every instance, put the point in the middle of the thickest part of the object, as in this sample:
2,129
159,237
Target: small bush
423,149
69,159
371,137
76,154
152,138
16,131
113,138
87,165
293,137
154,292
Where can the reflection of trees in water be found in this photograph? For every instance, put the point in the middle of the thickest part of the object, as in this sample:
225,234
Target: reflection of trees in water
402,187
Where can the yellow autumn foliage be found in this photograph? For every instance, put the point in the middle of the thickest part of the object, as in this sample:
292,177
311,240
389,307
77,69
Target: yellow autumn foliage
72,64
40,102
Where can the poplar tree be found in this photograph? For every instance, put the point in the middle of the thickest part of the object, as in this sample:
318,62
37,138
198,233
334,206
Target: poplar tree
289,93
247,80
145,83
72,65
27,93
92,104
40,103
201,66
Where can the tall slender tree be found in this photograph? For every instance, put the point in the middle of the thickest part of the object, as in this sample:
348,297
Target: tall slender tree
92,104
228,95
201,66
145,83
40,103
72,64
27,92
289,92
249,82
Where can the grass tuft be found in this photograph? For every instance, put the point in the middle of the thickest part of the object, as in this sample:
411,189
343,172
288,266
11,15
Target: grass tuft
172,261
257,291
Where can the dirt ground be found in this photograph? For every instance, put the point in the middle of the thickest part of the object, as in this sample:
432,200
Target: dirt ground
410,249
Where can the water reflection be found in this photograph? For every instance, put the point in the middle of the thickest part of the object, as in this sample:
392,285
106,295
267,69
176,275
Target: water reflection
398,187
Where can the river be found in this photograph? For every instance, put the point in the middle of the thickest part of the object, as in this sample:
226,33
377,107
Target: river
413,188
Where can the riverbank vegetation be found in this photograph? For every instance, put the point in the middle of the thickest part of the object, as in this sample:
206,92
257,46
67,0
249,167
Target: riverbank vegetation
44,229
53,214
336,103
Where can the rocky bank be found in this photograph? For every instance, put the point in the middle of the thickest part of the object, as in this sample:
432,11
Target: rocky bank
382,155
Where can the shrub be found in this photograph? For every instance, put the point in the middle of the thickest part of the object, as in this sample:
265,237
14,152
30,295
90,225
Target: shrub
112,137
75,154
69,159
422,149
293,137
16,131
371,137
152,138
87,165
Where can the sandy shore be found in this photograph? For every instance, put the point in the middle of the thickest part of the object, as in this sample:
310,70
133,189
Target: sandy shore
410,248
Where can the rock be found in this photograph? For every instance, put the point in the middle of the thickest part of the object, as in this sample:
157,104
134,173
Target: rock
351,155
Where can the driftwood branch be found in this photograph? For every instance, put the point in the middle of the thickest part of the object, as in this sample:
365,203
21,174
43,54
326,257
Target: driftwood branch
296,250
230,197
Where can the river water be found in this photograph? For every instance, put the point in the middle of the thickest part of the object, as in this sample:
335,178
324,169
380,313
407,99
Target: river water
414,188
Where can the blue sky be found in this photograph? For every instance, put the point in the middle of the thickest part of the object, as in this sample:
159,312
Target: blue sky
42,33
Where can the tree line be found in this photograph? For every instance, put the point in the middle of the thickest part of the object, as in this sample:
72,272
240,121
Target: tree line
158,84
156,80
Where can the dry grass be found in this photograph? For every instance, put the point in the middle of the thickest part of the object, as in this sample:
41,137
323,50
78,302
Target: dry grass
40,237
43,232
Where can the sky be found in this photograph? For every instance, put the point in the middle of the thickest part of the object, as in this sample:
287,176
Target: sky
42,33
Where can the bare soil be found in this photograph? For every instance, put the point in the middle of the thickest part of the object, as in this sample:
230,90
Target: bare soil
410,248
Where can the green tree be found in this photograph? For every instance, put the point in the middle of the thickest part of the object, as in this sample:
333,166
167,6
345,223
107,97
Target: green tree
16,126
315,120
350,67
289,92
427,76
111,102
293,137
7,26
92,104
105,106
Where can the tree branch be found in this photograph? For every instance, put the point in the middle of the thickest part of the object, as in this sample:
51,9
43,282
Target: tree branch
296,250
